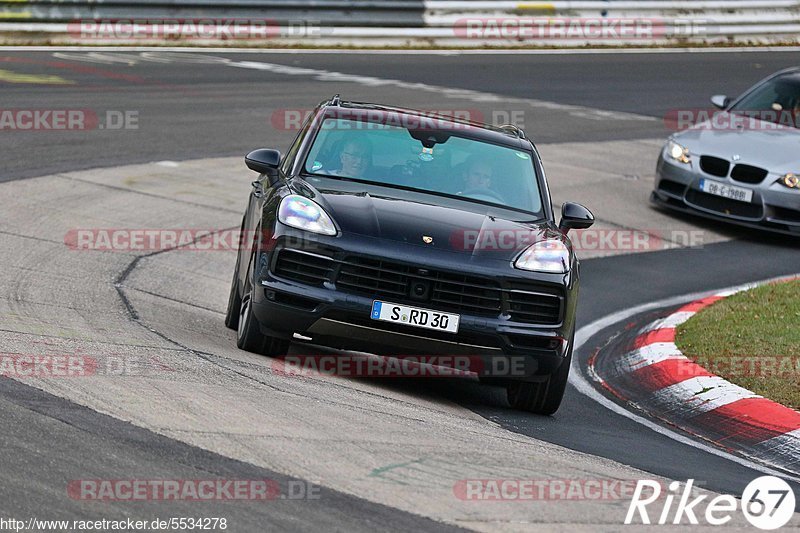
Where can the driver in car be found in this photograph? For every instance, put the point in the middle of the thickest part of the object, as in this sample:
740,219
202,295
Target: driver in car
478,176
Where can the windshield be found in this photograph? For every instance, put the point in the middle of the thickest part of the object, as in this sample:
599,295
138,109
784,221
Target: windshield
391,155
777,100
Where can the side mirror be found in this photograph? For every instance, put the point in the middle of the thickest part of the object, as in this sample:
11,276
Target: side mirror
263,160
575,216
720,100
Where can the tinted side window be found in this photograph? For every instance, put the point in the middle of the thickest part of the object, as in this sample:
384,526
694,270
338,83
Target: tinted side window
298,141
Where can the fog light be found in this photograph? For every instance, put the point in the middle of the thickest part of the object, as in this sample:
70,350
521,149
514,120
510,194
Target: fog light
790,180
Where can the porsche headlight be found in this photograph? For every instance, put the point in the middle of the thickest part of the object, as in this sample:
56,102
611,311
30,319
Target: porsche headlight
790,180
302,213
678,152
545,256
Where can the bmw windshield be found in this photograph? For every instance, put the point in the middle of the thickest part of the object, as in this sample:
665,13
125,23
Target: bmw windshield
776,100
431,161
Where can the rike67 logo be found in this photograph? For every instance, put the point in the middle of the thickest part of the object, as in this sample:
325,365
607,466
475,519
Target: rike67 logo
767,502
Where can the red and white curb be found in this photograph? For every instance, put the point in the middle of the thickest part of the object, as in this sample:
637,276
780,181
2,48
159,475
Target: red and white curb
655,377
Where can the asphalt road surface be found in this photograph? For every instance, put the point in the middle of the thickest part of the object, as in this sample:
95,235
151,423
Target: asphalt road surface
386,453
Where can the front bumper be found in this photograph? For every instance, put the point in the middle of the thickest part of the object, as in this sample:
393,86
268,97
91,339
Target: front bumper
330,316
773,207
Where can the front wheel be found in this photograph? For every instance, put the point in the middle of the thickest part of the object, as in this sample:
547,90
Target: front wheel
234,303
248,332
234,298
542,398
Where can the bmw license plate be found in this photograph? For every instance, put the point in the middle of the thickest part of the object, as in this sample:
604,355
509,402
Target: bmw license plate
726,191
414,316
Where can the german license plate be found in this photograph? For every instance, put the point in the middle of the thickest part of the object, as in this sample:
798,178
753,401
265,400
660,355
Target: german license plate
414,316
726,191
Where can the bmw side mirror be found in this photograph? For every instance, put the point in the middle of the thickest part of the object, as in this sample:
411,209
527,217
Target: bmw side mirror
720,100
263,161
575,216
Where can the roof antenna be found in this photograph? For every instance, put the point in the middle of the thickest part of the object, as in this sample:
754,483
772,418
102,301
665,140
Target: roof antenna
336,100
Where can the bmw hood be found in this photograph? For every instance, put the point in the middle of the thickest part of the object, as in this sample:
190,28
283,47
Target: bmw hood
764,144
416,220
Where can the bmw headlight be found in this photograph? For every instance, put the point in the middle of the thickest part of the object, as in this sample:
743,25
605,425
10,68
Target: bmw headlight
790,180
302,213
677,152
545,256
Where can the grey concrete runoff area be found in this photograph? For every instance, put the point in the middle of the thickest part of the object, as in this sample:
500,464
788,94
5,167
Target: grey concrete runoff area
381,455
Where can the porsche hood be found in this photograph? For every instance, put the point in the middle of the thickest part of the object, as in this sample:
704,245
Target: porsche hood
426,224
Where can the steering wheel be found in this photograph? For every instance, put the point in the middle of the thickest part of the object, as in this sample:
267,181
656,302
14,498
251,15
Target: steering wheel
482,193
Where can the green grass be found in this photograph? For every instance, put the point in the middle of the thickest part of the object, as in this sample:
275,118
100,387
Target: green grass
752,339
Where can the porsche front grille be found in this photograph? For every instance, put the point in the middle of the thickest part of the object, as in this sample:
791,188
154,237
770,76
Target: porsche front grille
446,291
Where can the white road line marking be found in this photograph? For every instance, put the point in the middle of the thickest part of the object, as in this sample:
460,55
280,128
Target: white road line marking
731,292
582,385
465,94
583,112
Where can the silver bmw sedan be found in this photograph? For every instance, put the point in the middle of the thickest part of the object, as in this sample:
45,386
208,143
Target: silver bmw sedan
740,164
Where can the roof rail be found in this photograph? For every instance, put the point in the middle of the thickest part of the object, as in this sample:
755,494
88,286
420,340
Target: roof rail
514,129
509,129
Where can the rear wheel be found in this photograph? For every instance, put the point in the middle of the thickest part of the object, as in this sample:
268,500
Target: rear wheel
543,398
248,332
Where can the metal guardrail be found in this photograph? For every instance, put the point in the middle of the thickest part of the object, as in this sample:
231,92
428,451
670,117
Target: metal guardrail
674,21
374,13
465,6
461,23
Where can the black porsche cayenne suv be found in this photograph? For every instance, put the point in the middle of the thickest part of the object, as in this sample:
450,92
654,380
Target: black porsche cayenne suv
396,231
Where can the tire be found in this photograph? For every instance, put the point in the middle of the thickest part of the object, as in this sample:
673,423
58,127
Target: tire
248,331
234,298
542,398
234,303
